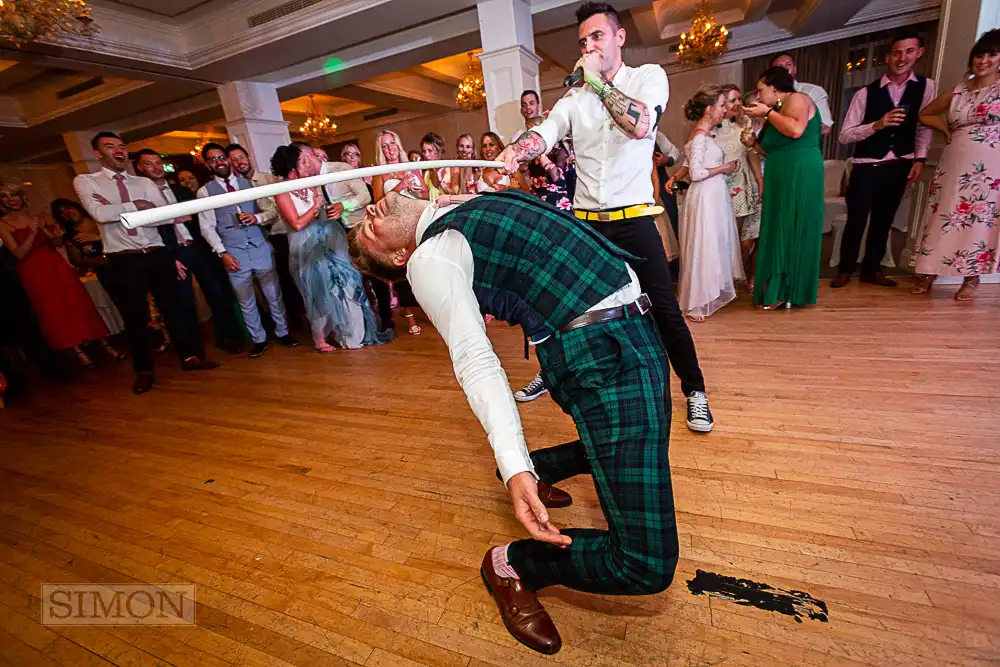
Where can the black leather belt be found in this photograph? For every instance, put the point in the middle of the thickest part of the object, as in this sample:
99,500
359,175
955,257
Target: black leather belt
637,308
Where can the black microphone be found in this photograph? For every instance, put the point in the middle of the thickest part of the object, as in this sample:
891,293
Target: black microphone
574,78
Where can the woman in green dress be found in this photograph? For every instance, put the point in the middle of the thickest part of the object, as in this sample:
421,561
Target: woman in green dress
791,230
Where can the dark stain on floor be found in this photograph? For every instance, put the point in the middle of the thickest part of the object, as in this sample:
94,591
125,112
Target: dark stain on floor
752,594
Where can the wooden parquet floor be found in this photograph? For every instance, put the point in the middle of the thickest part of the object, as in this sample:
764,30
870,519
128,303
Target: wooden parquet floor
333,510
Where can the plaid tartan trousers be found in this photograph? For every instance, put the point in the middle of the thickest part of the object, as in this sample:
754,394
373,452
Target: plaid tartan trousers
608,377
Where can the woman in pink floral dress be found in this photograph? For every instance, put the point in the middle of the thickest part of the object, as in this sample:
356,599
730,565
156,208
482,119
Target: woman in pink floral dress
961,230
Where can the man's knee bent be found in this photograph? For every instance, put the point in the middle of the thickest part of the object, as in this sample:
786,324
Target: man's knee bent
648,574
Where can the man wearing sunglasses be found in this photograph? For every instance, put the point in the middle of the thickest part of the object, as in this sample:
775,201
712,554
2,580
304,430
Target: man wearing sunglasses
235,235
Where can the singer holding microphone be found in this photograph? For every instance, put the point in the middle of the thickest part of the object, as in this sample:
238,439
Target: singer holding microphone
613,119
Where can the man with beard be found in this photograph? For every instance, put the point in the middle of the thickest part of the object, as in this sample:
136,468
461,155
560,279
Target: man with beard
277,231
139,260
235,235
194,257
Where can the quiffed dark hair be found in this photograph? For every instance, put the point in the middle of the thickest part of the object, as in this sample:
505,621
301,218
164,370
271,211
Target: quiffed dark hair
988,42
780,78
236,147
589,9
103,135
783,54
145,151
905,34
531,92
211,147
285,159
704,97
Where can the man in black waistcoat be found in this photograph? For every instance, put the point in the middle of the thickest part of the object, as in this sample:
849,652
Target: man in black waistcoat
890,154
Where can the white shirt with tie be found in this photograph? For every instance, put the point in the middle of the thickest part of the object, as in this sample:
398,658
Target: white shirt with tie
99,193
612,169
183,235
206,219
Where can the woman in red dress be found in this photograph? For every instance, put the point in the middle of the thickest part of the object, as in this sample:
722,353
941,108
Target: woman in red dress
64,310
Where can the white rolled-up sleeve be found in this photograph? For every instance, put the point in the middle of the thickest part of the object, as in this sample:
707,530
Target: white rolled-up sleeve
440,274
207,224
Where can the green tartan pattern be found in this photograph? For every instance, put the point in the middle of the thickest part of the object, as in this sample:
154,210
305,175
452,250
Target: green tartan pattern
552,261
610,379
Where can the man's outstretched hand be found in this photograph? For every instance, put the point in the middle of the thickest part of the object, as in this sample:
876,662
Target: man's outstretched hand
530,511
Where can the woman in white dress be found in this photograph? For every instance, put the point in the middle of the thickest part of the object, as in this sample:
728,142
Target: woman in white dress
494,180
710,245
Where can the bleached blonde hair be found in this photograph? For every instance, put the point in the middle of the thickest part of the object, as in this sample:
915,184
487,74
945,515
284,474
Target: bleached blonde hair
378,147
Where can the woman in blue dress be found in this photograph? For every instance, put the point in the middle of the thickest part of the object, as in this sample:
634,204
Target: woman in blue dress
333,290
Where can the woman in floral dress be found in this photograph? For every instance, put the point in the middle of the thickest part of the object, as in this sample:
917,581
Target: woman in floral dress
547,174
961,229
747,182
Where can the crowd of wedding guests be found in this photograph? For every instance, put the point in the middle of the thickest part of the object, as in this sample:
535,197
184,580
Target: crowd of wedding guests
743,204
754,175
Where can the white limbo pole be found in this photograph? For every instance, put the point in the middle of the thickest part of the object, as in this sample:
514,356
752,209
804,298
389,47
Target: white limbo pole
162,213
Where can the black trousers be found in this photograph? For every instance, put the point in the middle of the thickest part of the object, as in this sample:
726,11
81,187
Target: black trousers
294,305
639,237
875,190
384,300
154,272
218,294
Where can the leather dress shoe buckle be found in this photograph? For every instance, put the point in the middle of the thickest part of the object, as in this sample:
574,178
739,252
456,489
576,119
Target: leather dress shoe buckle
514,609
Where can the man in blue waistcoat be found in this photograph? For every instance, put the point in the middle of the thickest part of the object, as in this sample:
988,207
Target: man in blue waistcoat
235,235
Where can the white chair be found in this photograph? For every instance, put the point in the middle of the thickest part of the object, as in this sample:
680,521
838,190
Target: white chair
835,205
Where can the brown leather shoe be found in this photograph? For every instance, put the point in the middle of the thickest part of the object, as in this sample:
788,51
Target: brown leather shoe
841,280
143,382
522,613
198,364
553,497
878,278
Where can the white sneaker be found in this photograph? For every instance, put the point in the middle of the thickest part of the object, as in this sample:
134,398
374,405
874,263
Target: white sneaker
699,417
534,389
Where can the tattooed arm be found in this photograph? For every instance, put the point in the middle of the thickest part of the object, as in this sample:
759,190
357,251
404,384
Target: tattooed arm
633,117
537,141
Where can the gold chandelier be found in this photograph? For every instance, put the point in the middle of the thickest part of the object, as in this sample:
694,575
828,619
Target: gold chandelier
472,89
196,151
317,126
31,20
707,39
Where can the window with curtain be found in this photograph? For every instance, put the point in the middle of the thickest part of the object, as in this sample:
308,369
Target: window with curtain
860,60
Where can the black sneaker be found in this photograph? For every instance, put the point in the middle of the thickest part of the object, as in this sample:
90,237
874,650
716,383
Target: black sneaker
534,389
699,416
288,341
257,350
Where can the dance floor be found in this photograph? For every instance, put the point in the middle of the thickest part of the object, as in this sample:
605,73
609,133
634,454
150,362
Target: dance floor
333,510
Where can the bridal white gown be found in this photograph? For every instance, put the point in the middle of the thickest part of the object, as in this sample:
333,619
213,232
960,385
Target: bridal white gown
709,240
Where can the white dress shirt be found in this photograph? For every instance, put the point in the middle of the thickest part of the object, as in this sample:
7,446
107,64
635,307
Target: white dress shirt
114,235
668,149
612,169
183,235
440,273
819,98
268,216
352,194
206,219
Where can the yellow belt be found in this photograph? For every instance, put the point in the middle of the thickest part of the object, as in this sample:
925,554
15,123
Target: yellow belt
637,211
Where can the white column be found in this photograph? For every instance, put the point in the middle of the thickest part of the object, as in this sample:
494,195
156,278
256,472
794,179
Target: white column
80,152
510,65
254,120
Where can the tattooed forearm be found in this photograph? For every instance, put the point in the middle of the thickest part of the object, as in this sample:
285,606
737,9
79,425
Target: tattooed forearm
630,115
529,146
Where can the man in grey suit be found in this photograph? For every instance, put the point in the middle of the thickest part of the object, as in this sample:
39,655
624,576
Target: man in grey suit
235,235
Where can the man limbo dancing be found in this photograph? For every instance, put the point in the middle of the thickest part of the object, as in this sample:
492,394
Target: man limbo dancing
600,354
